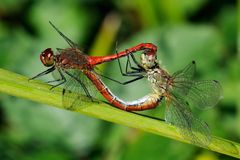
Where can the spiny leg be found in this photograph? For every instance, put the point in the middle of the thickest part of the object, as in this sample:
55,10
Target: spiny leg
127,73
63,79
43,73
123,83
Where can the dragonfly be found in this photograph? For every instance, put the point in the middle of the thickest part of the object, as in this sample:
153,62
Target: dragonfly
180,91
77,71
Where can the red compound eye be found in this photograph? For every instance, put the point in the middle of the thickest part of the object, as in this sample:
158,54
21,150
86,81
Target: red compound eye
47,57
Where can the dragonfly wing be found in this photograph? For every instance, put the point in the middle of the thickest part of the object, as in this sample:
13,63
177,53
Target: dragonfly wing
190,127
71,94
56,75
187,72
205,94
70,42
75,88
182,80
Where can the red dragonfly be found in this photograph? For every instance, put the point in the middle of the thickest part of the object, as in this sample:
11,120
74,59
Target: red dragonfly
77,71
180,91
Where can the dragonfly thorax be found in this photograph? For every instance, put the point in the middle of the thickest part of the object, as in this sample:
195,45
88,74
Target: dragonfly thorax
47,57
158,79
72,58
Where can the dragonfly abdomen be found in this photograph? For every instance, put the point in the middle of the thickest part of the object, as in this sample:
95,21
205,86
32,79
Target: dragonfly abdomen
147,102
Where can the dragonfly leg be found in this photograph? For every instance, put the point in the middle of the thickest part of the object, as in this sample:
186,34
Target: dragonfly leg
63,79
43,73
128,73
122,83
136,62
133,68
56,80
137,72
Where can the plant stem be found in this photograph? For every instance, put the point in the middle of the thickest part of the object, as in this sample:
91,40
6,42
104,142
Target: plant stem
19,86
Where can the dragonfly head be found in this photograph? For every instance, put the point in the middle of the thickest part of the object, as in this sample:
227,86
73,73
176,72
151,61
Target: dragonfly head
47,57
149,59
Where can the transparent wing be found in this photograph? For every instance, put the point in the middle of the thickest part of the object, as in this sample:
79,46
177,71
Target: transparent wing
201,94
71,43
182,80
187,72
205,94
190,127
78,90
56,75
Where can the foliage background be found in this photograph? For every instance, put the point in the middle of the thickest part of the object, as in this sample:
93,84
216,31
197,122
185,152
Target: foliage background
203,30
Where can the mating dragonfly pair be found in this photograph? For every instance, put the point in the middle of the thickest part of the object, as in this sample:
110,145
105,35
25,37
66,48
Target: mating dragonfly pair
76,71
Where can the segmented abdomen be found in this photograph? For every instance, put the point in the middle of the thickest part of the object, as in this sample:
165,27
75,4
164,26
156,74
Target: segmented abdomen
147,102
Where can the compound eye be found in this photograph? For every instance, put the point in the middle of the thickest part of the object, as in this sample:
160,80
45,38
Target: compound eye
47,57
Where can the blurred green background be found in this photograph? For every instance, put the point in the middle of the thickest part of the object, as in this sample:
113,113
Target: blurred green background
201,30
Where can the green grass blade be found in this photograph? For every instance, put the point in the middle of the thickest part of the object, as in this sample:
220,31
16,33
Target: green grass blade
19,86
